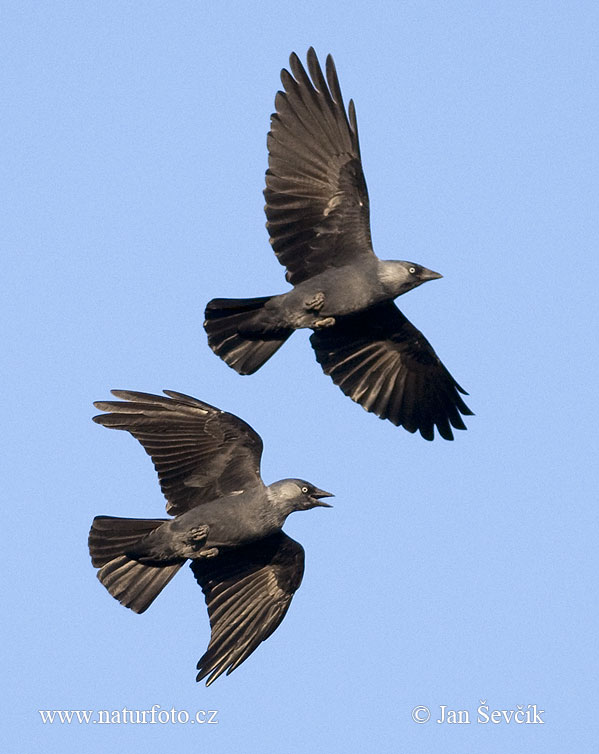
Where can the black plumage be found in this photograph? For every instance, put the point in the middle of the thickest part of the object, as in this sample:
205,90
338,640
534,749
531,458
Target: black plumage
227,522
318,218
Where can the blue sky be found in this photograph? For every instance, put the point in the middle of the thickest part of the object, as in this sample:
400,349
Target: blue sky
134,140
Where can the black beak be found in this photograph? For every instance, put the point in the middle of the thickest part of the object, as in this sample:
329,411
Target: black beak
429,275
317,494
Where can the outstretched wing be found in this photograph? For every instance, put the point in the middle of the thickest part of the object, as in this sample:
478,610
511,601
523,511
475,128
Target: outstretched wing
248,592
199,451
316,198
381,361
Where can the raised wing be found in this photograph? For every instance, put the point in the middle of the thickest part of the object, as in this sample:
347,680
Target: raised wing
316,198
248,592
381,361
199,451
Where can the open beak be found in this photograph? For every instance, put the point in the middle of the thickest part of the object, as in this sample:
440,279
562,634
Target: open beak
430,275
317,494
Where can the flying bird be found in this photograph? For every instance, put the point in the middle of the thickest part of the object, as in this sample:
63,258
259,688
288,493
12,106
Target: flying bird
227,523
318,220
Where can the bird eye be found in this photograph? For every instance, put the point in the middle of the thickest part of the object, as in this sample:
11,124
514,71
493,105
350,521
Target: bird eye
304,490
412,270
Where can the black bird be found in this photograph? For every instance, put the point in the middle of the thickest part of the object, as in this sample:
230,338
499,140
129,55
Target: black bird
318,220
226,521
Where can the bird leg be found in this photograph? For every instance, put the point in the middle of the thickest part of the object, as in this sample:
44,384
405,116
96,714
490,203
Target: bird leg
315,303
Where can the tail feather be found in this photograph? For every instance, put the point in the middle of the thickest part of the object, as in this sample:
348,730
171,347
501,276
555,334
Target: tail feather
229,324
133,584
111,536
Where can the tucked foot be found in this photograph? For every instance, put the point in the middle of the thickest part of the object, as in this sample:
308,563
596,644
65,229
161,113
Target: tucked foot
211,552
197,534
194,540
315,303
326,322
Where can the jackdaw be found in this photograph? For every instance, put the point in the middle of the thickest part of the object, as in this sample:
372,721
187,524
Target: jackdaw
227,522
317,213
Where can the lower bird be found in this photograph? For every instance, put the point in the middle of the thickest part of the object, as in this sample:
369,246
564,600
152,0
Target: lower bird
227,523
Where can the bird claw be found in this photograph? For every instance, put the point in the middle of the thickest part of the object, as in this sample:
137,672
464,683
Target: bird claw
197,534
326,322
211,552
194,541
315,303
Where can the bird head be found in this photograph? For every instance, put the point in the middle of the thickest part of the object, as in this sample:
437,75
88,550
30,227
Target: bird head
299,495
400,277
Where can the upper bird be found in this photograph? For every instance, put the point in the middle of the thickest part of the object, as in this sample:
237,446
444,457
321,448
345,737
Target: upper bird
317,213
226,521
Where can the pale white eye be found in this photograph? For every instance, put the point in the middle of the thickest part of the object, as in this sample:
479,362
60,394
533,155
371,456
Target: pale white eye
412,270
304,490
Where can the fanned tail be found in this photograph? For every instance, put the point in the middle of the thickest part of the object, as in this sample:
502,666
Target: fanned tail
133,584
229,323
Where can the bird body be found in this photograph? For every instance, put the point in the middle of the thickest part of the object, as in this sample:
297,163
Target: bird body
226,522
237,519
234,520
318,219
337,292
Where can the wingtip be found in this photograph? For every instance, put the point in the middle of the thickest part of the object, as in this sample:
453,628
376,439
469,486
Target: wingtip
119,392
102,406
212,673
312,59
330,65
293,60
